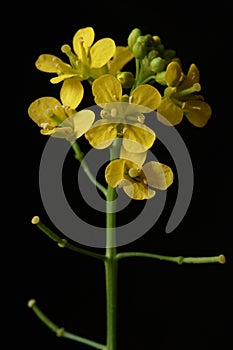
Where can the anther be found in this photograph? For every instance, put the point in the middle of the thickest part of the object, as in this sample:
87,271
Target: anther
130,99
31,303
35,220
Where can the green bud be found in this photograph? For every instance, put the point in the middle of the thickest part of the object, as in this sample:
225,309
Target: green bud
126,79
169,54
157,40
152,54
160,78
125,98
149,41
160,48
157,64
132,38
139,48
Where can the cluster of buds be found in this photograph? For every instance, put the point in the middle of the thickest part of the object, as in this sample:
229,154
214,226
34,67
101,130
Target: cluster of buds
152,54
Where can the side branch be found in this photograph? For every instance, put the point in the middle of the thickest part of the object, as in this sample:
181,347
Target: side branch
176,259
61,242
61,332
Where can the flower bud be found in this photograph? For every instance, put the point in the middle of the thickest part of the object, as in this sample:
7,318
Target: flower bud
157,40
132,38
152,54
126,79
140,48
157,64
160,78
169,54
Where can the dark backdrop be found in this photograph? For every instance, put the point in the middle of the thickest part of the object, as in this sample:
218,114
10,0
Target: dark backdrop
160,305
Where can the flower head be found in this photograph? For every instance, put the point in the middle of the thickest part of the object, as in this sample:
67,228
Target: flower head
180,98
59,121
122,115
136,181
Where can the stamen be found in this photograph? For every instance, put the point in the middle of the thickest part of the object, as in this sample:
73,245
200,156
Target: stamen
113,112
44,125
130,99
115,97
141,118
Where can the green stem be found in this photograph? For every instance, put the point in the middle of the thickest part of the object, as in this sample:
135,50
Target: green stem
111,265
80,157
176,259
62,243
61,332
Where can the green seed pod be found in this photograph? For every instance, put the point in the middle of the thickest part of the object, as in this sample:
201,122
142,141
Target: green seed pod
132,38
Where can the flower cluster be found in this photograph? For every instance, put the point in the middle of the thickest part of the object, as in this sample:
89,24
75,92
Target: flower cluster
125,98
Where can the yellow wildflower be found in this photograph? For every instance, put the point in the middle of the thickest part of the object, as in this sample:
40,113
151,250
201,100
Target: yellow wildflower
180,98
122,115
136,181
61,119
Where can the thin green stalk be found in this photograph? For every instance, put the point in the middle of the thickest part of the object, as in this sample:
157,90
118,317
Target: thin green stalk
61,332
80,157
111,261
176,259
61,242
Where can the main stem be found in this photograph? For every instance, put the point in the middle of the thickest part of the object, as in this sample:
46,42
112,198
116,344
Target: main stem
111,260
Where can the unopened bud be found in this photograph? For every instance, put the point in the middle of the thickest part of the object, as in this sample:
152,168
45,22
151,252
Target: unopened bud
160,78
140,48
132,38
126,79
169,54
157,64
152,54
157,40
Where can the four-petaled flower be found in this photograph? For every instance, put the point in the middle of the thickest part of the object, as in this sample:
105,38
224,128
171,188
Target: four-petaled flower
136,181
180,97
122,116
58,120
88,61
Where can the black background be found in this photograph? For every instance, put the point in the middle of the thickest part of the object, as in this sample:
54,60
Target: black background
160,305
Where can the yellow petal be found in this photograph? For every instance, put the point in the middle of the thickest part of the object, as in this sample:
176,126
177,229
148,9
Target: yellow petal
192,77
120,58
101,52
101,134
138,138
137,158
106,89
60,78
138,191
38,111
71,92
116,170
173,74
197,112
169,113
51,64
59,132
146,95
87,35
158,175
82,121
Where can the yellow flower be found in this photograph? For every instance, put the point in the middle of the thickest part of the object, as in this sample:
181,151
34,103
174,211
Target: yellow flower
122,115
136,181
180,98
61,120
